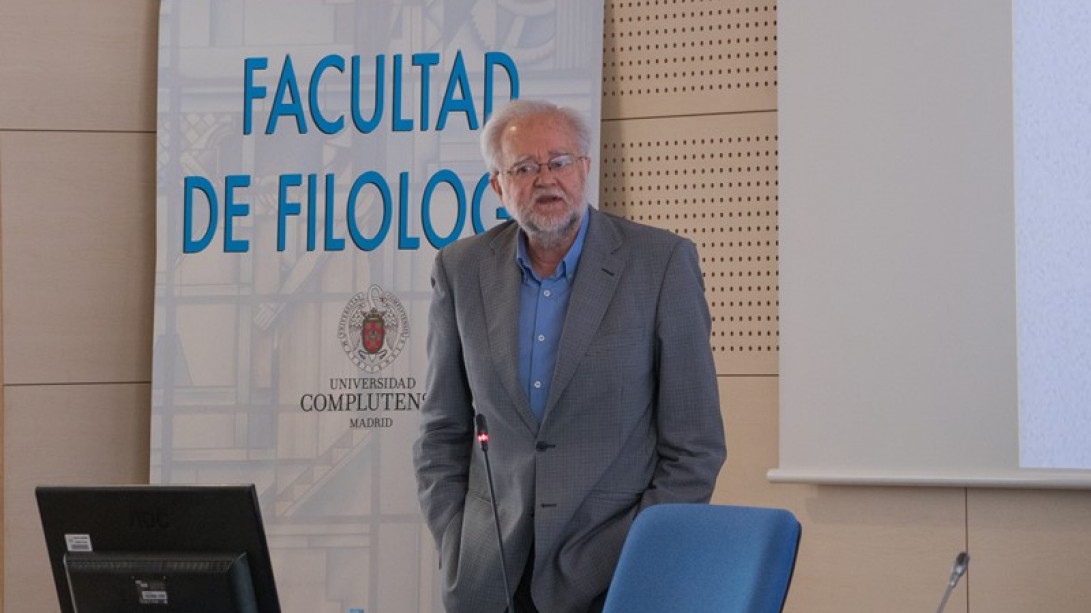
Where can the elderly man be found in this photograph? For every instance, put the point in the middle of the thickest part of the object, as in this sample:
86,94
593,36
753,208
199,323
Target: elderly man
584,340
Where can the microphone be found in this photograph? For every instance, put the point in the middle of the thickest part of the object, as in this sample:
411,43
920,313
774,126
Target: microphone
483,438
962,560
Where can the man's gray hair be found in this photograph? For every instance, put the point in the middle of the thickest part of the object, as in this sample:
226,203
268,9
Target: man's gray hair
518,109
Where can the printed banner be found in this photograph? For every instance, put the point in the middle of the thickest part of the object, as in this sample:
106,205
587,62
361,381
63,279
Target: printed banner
312,157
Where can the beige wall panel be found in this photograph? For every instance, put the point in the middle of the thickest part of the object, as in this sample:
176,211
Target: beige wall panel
877,549
863,548
713,179
749,407
3,504
78,239
688,57
64,435
78,65
1030,551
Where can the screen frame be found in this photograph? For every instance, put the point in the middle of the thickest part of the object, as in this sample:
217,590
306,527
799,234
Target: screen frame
157,520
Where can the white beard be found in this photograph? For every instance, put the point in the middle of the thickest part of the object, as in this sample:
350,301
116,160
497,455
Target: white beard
551,233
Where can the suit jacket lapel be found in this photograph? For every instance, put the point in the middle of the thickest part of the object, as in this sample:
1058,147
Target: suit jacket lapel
597,277
500,282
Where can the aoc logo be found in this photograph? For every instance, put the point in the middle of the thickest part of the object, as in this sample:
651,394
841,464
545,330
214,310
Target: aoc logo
374,328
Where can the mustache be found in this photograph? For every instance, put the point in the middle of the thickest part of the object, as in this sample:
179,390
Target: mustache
547,193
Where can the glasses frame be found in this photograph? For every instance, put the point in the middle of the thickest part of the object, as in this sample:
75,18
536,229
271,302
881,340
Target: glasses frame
558,165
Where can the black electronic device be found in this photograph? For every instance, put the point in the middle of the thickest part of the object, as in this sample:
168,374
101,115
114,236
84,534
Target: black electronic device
158,548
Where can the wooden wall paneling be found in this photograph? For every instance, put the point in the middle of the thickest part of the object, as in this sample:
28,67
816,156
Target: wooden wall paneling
79,65
3,412
63,435
1030,550
79,248
749,407
688,57
886,549
713,179
863,548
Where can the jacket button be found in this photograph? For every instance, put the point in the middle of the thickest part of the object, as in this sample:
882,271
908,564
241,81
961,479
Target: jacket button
542,446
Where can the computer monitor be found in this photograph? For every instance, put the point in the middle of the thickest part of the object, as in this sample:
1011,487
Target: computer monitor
158,548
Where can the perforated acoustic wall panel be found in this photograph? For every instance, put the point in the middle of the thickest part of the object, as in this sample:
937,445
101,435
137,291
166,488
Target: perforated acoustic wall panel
689,143
685,57
712,179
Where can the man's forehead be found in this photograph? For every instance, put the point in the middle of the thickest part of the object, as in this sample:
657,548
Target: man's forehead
539,130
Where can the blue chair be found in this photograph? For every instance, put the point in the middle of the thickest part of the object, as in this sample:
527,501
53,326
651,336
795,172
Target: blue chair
694,558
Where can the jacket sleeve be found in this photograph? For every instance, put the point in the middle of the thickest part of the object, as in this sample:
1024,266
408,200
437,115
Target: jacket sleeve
442,451
690,447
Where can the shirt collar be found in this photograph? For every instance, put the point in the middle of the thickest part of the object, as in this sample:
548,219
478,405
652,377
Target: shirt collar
571,259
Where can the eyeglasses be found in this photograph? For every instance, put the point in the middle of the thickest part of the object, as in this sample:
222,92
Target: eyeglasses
560,166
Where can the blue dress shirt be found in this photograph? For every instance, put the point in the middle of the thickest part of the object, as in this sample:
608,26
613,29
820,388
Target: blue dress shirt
542,307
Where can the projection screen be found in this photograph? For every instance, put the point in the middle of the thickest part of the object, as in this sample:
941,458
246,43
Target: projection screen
935,217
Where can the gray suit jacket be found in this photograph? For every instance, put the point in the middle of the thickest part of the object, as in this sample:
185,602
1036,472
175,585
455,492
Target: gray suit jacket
632,418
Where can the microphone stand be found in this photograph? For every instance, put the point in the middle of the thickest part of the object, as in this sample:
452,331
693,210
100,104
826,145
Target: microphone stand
483,438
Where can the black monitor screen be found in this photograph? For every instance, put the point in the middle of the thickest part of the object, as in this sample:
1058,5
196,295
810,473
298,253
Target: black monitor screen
165,548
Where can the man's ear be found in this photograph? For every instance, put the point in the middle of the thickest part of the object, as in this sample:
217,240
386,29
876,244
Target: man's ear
494,182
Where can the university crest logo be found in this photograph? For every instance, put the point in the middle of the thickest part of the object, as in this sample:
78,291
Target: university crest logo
374,329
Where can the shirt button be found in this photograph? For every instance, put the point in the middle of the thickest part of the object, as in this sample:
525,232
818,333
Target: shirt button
537,384
547,293
541,337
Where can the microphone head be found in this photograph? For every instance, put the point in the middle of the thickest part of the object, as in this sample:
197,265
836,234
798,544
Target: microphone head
961,562
482,430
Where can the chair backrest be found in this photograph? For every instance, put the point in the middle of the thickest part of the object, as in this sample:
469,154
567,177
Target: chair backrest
697,557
